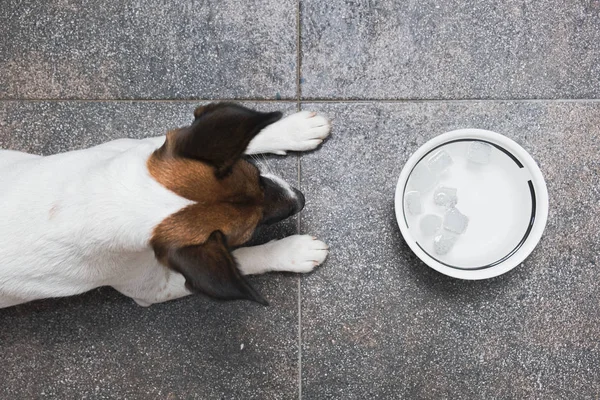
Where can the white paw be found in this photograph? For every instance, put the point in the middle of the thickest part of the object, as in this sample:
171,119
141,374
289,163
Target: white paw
142,303
299,253
301,131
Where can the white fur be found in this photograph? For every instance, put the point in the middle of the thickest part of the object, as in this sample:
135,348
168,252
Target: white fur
302,131
75,221
297,253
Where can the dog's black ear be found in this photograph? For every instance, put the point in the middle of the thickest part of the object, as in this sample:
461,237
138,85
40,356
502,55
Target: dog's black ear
220,134
210,268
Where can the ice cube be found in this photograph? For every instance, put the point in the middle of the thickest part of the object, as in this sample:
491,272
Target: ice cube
444,242
421,179
445,196
455,221
430,224
439,162
413,202
479,152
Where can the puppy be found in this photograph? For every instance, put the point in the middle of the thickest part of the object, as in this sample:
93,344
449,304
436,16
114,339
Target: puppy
158,218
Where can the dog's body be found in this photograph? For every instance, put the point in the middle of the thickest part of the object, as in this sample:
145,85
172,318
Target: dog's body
154,218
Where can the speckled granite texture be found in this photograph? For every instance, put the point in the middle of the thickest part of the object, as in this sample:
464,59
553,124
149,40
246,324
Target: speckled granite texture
101,49
451,49
373,322
101,345
377,323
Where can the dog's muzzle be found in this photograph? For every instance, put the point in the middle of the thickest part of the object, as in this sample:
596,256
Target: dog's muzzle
300,201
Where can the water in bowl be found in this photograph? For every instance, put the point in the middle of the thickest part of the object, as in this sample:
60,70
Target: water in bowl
477,193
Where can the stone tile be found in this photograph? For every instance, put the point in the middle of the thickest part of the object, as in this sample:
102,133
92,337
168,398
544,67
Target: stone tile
102,345
48,127
154,49
450,50
378,323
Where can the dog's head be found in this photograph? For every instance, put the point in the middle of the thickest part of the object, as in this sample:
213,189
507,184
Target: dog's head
204,163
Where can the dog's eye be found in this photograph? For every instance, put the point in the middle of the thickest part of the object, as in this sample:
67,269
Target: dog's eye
261,182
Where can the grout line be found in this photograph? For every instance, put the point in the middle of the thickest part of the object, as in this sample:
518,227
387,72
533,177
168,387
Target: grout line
299,281
367,100
299,182
298,56
299,290
259,100
298,99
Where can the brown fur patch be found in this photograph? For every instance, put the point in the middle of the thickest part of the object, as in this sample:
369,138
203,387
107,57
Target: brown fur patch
203,163
231,204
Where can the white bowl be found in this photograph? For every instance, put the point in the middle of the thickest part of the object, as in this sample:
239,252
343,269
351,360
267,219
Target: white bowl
505,200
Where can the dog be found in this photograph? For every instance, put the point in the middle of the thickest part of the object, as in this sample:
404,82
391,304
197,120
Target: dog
158,218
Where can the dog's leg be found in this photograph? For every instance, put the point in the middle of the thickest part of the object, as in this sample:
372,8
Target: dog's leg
157,285
9,301
301,131
297,253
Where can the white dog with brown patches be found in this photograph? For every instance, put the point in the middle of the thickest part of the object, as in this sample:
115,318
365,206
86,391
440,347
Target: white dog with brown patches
158,218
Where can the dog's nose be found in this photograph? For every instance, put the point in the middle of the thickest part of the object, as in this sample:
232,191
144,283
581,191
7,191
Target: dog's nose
300,200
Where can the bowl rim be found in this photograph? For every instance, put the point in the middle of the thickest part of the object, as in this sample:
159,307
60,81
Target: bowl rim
539,184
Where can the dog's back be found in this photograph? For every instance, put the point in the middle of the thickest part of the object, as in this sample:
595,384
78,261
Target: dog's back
57,213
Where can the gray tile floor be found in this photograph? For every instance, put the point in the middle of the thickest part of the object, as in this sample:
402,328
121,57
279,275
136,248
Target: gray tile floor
373,322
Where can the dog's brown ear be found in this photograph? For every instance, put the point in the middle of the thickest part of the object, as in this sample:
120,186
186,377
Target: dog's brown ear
220,134
210,268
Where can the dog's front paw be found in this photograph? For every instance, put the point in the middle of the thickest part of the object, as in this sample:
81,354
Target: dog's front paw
300,253
301,131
